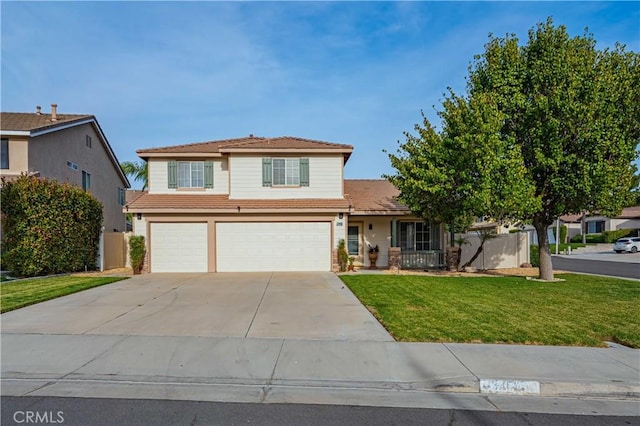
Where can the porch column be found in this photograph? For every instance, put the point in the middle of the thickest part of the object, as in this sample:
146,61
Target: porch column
394,232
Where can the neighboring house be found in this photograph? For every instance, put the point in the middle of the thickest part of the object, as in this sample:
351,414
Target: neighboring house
68,148
268,204
629,218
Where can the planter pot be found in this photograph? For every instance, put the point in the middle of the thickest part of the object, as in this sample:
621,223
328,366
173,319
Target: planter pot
373,258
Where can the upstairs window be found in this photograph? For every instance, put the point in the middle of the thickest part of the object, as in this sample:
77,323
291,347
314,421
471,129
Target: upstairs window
4,154
88,141
122,196
190,174
86,181
285,172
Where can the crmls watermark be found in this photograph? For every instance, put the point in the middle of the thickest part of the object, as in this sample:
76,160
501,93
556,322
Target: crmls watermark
39,417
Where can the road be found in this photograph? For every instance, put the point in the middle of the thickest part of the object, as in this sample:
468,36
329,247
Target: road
611,264
97,412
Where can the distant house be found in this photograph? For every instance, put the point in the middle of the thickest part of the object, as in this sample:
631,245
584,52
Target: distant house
69,148
271,204
629,218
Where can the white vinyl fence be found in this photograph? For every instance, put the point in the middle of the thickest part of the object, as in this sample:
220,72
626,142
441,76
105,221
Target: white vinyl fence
504,251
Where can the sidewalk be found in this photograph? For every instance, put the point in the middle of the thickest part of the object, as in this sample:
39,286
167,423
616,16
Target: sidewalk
308,371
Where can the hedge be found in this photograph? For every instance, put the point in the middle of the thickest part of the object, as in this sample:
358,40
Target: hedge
49,227
534,255
606,236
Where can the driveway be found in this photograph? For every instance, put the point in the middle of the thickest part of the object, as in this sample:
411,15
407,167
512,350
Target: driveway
290,305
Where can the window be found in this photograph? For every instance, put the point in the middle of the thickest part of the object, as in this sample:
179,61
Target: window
88,141
190,174
122,196
4,154
285,172
72,165
353,240
86,181
420,236
595,227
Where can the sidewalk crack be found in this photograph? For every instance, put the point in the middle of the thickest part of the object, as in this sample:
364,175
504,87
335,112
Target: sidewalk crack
255,314
267,387
461,363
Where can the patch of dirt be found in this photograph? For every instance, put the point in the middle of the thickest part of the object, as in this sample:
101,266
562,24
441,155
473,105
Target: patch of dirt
108,272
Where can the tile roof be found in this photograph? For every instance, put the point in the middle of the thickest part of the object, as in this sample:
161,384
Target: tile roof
629,213
25,121
221,202
373,196
248,143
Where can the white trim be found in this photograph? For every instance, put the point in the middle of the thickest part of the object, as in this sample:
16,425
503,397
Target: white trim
14,133
279,150
144,155
55,127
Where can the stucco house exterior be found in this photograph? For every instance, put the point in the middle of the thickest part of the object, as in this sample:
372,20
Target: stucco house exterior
629,218
270,204
66,147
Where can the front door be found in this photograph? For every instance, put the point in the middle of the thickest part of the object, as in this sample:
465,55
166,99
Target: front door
354,244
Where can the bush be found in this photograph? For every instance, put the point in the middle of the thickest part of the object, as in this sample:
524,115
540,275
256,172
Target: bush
612,236
49,227
534,255
136,253
563,234
343,255
576,238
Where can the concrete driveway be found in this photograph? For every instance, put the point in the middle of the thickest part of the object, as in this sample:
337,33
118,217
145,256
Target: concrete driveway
288,305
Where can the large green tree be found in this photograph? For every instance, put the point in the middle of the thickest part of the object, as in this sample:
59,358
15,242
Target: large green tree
558,124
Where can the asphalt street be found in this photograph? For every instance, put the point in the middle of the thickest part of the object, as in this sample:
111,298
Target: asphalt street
593,265
107,412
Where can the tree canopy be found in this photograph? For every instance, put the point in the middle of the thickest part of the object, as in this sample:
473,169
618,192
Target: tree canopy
544,129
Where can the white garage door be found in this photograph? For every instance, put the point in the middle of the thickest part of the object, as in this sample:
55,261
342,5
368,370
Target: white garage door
179,247
273,246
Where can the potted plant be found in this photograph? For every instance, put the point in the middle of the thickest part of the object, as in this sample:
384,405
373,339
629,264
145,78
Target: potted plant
373,256
351,260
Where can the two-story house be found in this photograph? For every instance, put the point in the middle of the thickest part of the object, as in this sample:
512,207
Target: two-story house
267,204
68,148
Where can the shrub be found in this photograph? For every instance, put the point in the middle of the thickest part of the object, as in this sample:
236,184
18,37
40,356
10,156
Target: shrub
576,238
343,255
136,253
49,227
534,255
612,236
563,234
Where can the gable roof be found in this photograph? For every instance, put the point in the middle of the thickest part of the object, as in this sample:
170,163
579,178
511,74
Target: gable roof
249,144
374,196
33,122
36,124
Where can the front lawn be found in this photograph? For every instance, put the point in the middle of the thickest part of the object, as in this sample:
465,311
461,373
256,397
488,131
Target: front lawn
582,310
17,294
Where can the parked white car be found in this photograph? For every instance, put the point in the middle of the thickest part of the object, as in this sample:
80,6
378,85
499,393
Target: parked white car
631,245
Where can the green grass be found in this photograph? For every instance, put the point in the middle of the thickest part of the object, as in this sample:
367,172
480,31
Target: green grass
582,310
18,294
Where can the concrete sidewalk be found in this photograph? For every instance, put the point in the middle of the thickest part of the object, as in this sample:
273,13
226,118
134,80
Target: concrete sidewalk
309,371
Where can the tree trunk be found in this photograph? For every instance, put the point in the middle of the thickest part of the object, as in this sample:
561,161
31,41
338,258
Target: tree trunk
546,268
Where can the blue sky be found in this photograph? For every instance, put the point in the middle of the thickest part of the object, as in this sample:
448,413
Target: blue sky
167,73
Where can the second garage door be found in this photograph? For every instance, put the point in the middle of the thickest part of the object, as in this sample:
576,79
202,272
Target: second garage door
179,247
273,246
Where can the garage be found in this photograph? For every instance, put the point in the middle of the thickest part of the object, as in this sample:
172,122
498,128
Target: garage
273,246
179,247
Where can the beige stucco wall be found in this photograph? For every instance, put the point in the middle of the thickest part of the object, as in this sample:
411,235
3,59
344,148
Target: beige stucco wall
18,156
48,154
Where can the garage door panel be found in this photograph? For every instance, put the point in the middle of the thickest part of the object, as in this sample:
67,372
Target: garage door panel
179,247
273,246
